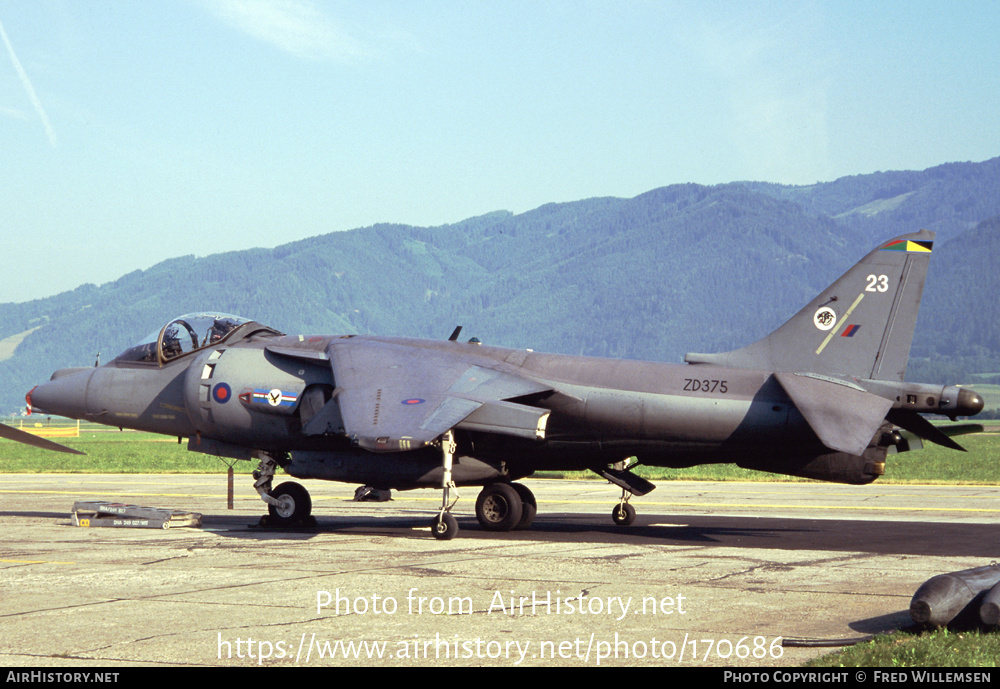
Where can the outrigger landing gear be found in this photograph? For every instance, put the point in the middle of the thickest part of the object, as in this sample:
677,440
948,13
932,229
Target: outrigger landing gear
288,504
631,484
500,506
445,526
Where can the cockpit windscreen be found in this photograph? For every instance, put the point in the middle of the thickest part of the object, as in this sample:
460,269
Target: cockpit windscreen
183,335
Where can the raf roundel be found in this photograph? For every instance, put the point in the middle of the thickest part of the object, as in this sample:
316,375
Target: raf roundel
413,400
221,393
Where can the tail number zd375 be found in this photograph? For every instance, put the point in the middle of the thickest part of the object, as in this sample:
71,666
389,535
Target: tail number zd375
695,385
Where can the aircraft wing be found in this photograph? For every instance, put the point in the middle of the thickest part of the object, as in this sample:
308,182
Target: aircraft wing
395,397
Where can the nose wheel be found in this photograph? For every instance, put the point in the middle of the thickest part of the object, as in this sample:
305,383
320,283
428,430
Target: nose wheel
288,504
294,506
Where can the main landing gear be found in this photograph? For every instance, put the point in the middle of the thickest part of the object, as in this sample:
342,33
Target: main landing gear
501,506
505,507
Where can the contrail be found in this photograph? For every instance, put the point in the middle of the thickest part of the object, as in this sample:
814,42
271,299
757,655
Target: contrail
29,88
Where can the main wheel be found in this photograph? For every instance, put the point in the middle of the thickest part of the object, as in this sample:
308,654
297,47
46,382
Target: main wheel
294,504
529,508
623,514
499,507
444,527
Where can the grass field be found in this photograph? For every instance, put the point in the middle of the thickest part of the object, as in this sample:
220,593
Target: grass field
939,648
110,451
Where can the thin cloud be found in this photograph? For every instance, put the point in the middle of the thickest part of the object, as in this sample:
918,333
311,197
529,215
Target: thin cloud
14,114
294,26
32,96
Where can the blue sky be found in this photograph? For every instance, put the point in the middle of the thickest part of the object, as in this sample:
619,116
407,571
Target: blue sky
132,132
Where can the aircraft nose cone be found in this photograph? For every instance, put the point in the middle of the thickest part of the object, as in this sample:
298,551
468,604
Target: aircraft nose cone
64,395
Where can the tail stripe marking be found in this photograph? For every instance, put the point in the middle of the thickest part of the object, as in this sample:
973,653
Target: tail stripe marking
842,322
908,245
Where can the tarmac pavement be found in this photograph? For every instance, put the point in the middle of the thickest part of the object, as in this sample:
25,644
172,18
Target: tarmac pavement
711,574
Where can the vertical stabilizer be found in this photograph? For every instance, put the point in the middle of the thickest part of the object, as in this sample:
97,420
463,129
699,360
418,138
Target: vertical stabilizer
861,325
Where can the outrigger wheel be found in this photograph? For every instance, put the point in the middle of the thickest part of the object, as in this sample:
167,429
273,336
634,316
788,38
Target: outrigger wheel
445,526
623,514
631,484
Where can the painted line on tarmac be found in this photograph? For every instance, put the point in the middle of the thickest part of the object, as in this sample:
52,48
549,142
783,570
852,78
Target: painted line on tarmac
644,503
785,506
119,492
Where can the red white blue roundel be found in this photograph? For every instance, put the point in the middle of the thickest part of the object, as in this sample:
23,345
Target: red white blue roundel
221,393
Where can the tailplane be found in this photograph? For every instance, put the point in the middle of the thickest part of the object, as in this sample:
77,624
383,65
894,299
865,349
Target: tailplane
861,325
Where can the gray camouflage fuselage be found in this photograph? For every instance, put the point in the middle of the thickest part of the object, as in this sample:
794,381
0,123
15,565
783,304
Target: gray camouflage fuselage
601,411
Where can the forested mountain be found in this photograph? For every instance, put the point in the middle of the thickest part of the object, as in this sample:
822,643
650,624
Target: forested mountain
678,269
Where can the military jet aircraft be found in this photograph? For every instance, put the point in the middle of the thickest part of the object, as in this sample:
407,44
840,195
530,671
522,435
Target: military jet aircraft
822,397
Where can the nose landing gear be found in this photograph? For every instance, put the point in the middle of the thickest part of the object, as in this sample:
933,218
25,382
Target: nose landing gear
288,504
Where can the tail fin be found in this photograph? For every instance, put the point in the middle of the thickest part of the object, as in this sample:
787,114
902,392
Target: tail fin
861,325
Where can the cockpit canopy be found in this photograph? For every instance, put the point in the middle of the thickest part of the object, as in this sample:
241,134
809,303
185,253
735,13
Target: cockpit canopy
184,335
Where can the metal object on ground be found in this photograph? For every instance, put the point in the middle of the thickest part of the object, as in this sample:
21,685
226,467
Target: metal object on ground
989,611
949,597
100,513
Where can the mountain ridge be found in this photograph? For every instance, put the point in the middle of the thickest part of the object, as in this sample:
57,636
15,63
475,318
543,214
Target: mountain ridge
680,268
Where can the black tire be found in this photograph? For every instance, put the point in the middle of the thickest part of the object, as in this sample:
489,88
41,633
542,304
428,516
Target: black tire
623,514
499,507
296,504
444,527
529,508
